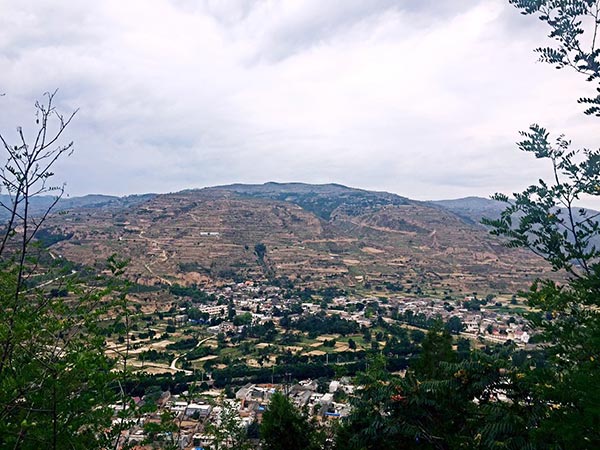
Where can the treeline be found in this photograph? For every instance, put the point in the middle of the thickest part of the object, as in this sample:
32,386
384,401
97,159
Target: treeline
155,355
319,324
193,292
240,374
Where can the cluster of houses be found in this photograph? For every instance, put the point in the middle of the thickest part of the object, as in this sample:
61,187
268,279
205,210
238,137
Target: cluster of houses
193,416
305,395
483,323
262,301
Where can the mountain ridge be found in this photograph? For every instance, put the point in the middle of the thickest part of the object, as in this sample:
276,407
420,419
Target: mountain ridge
41,203
315,235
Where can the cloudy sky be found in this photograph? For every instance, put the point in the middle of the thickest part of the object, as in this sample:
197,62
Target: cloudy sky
419,97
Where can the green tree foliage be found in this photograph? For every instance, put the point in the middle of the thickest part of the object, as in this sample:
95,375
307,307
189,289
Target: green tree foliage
196,314
183,344
243,319
229,433
322,324
351,344
285,428
440,404
55,380
436,347
260,250
429,408
454,325
574,26
155,355
197,295
545,219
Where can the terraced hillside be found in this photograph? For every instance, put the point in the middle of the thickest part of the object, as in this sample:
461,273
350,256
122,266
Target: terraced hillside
314,235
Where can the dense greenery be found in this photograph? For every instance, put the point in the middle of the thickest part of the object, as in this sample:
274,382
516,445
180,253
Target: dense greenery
240,373
321,324
441,403
195,294
56,382
47,238
285,428
155,355
183,344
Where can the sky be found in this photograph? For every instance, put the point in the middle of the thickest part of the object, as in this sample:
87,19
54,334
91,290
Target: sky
423,98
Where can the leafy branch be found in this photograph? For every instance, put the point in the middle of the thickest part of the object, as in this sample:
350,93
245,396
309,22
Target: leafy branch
570,22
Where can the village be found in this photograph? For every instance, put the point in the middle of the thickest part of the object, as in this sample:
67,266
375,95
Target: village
195,415
266,334
486,319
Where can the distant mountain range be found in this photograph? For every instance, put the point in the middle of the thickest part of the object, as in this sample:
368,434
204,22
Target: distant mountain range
315,235
320,199
40,204
473,209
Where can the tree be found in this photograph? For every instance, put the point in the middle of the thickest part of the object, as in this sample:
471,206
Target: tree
545,219
351,344
440,404
229,433
285,428
368,426
454,325
260,250
243,319
436,347
55,379
574,26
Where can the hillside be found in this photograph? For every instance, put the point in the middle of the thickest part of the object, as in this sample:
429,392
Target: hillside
472,209
40,204
315,235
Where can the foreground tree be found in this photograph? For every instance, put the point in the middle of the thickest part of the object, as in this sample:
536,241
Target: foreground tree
55,380
545,219
284,427
441,403
574,28
229,433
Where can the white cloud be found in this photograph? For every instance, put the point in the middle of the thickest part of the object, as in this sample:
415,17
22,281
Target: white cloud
413,97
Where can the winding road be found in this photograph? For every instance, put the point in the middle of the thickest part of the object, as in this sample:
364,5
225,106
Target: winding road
173,365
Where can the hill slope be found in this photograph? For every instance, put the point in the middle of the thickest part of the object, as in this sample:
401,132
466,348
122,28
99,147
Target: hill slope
40,204
473,209
314,235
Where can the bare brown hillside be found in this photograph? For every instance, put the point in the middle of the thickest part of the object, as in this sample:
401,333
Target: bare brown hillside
314,235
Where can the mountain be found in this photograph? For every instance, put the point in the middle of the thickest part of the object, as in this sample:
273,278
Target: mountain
40,204
314,235
322,200
472,209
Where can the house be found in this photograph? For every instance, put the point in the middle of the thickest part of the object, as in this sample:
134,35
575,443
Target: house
203,410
